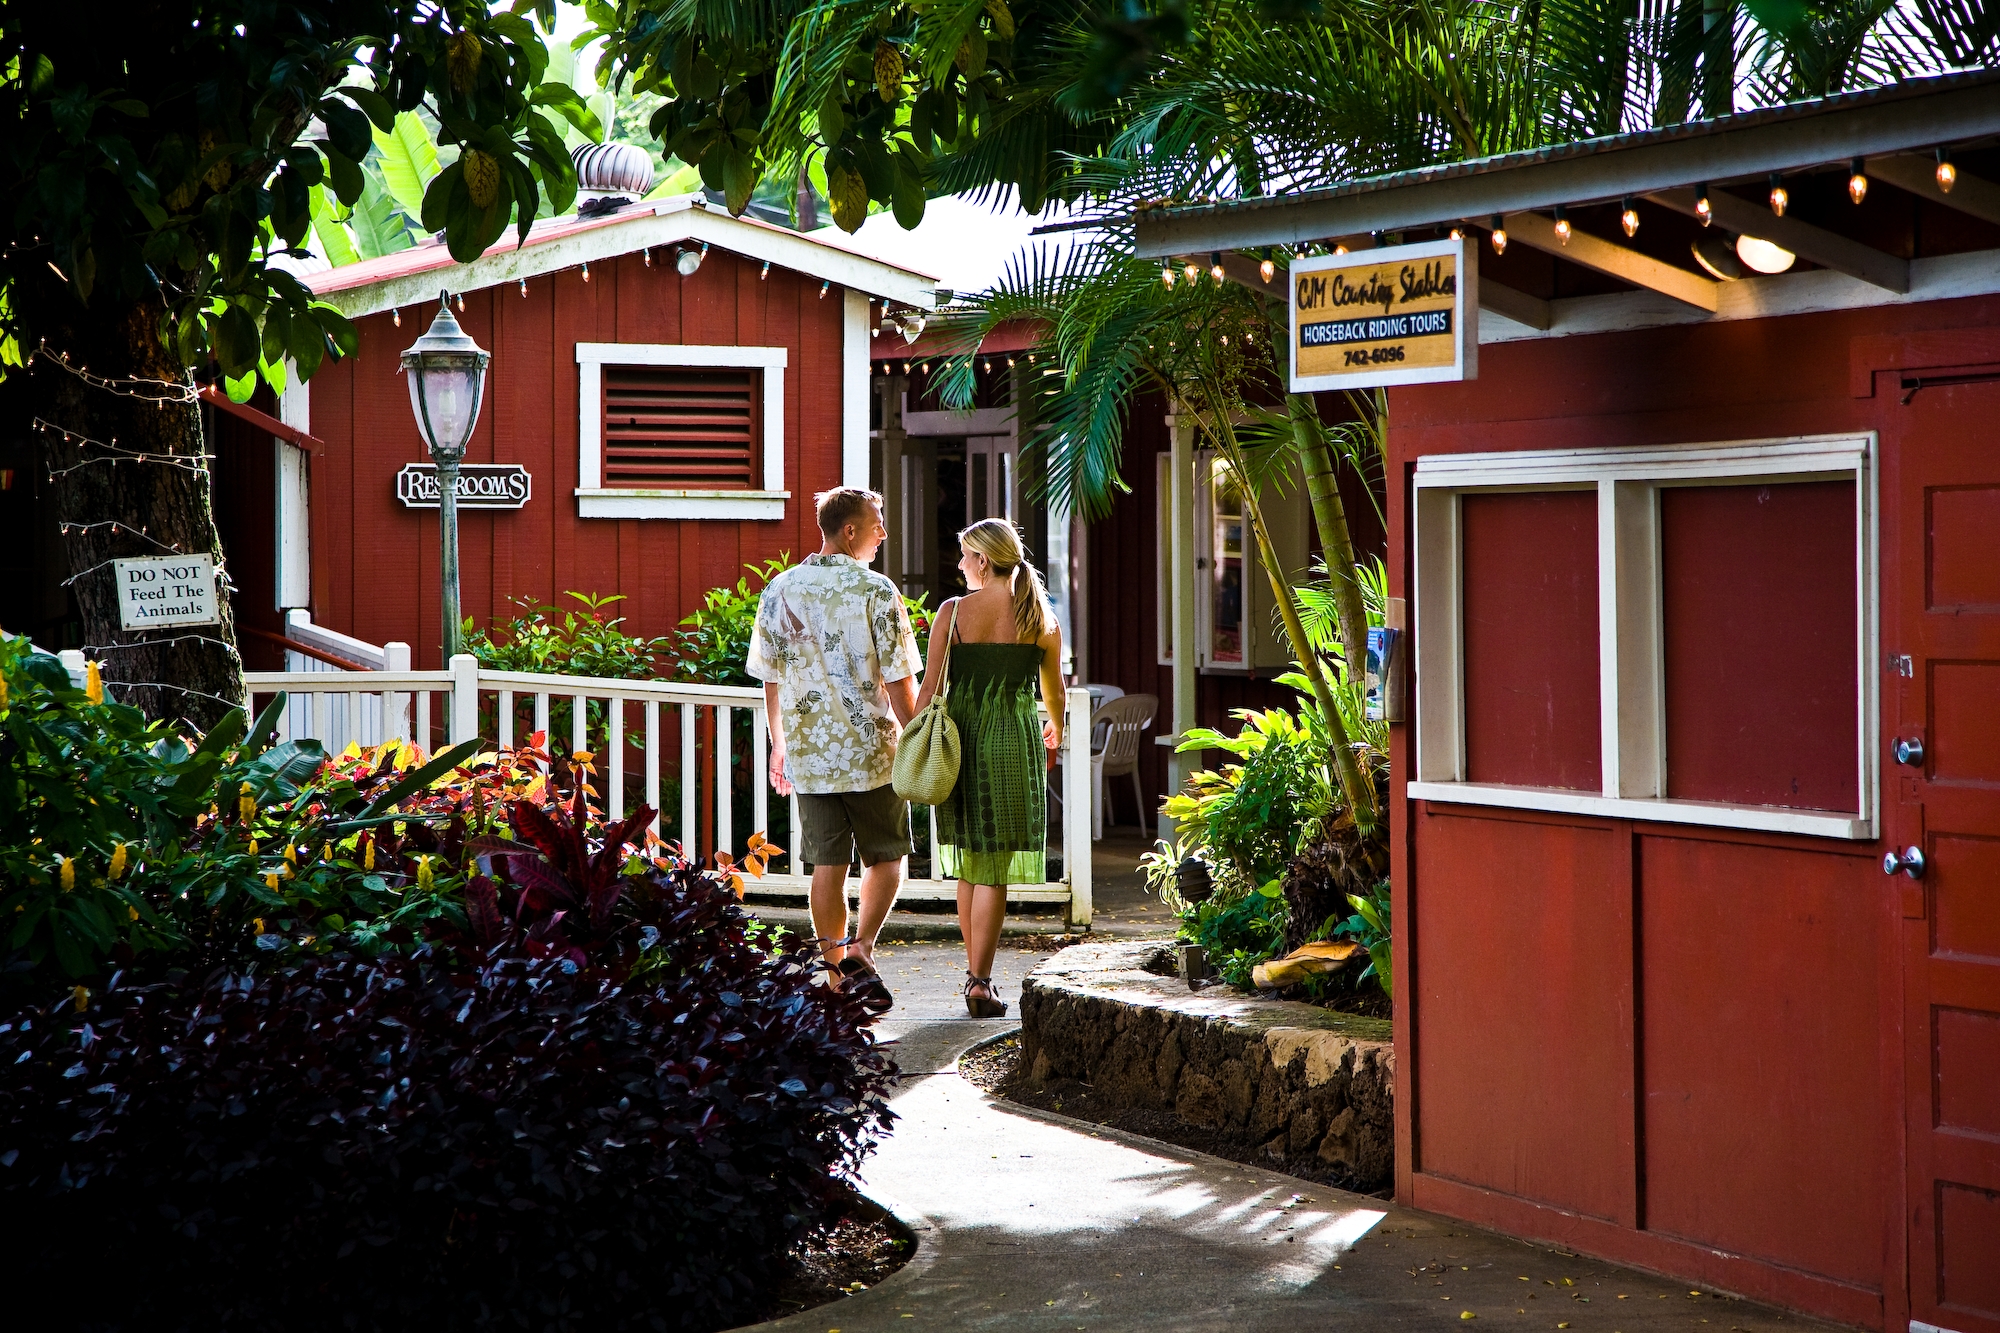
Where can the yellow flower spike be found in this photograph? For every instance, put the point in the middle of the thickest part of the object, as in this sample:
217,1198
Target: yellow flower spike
253,847
132,912
291,855
271,881
118,857
3,691
82,994
246,804
368,856
93,688
424,876
257,924
67,872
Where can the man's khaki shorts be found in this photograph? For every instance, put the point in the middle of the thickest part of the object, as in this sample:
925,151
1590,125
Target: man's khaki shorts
837,824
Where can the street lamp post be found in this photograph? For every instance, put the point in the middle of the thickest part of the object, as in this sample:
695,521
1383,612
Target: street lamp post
447,373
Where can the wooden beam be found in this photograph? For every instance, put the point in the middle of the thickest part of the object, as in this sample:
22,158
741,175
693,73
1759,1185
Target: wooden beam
1627,265
1826,248
1512,303
291,435
1973,196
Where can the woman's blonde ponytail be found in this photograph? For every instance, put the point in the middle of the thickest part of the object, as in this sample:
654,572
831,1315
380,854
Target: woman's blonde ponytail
1000,542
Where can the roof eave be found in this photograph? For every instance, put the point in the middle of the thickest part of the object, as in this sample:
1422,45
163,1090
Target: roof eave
645,226
1902,119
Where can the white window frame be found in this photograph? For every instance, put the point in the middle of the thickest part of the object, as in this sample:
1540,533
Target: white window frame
596,500
1266,649
1627,482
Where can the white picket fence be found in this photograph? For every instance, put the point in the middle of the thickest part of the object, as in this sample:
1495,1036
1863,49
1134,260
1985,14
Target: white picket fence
434,708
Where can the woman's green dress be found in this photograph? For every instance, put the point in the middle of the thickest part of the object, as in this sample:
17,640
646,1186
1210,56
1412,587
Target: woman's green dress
993,829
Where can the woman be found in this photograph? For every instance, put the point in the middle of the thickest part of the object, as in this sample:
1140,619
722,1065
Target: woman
993,829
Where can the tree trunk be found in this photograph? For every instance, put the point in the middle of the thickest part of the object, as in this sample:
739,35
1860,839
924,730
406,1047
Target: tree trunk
116,497
1336,541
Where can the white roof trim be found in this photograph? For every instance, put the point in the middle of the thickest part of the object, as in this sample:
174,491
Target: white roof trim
642,226
1938,279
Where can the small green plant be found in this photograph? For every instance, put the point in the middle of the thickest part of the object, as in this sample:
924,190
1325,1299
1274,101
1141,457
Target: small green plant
1369,927
714,642
1253,814
575,641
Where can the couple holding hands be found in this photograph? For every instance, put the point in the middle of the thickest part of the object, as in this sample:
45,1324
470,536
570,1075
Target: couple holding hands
834,648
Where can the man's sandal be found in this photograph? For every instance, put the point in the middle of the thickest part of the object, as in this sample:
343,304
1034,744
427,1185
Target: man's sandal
982,1006
860,980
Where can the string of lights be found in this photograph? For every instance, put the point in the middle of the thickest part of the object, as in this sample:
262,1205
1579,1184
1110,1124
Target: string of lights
187,462
155,643
144,389
126,528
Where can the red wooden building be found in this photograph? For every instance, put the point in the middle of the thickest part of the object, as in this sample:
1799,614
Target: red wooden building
1696,816
757,337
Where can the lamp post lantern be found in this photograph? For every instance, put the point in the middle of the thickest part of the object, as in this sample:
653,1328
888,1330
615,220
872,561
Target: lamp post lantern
447,372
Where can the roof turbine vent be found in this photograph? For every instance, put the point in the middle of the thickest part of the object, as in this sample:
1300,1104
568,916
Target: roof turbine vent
610,176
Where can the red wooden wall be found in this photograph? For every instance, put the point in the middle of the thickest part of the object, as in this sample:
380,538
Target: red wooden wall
1671,1045
375,563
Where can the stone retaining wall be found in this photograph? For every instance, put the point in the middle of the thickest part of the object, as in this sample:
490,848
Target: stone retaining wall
1305,1088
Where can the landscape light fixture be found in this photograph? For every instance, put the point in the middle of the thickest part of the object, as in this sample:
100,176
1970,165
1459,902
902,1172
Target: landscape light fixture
1215,266
1499,237
1763,256
912,322
1857,180
1628,218
1715,255
1780,196
1947,174
1702,208
447,373
1563,230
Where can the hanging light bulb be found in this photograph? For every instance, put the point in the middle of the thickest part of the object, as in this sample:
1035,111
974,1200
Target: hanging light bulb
1215,266
823,288
1628,218
398,317
1267,270
1780,196
1191,271
524,286
1702,208
1458,233
461,301
1340,249
986,366
1857,180
1563,229
647,255
767,271
1167,277
1010,363
1499,237
586,273
1249,337
1947,174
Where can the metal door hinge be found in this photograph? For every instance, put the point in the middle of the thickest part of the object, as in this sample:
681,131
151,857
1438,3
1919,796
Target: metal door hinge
1901,664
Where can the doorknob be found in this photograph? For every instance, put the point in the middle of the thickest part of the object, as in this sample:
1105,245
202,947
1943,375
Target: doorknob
1910,750
1911,862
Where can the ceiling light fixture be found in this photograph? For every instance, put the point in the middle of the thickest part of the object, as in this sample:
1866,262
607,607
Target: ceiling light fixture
688,260
1857,180
1714,254
1763,256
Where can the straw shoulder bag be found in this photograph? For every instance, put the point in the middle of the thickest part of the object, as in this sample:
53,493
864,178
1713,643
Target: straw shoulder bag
926,768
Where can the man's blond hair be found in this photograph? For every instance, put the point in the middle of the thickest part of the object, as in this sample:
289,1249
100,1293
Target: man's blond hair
843,505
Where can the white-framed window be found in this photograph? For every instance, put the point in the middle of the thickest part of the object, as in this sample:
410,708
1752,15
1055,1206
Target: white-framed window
1682,634
1236,628
667,430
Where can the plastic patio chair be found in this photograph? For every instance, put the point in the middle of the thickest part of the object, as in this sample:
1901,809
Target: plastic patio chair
1118,723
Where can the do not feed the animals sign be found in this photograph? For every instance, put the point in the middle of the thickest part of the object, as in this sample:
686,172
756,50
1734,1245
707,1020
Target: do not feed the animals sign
157,591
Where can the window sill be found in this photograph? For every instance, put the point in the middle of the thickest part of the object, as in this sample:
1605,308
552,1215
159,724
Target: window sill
1713,814
623,503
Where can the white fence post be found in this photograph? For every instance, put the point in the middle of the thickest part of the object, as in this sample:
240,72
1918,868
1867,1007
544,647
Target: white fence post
1077,786
72,660
396,707
464,699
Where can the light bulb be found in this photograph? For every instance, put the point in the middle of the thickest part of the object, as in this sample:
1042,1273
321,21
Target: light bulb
687,261
398,317
1780,197
1267,270
586,273
1167,277
1629,219
1191,271
1563,229
1215,266
1458,233
1947,174
1763,256
1499,237
767,271
524,286
647,255
1857,181
1702,208
1340,249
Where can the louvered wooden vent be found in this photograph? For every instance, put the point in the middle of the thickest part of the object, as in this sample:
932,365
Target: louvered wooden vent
681,427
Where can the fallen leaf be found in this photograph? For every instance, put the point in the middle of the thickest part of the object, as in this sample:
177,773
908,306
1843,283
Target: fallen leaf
1467,1314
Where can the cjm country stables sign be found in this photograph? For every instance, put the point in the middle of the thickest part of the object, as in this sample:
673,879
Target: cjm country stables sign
1404,314
480,486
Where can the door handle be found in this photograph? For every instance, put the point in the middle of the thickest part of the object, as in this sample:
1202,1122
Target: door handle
1910,862
1910,750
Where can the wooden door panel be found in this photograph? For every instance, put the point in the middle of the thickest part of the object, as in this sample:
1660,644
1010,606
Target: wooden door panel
1945,499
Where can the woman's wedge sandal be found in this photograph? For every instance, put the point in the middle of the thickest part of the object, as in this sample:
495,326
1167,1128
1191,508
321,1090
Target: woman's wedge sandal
982,1006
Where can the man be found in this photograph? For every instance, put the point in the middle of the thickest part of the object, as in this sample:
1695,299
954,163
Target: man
834,649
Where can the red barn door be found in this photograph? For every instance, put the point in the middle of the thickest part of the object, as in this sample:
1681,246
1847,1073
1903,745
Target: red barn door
1944,691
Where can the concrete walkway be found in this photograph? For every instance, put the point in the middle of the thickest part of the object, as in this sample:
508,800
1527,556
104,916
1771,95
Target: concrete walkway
1034,1222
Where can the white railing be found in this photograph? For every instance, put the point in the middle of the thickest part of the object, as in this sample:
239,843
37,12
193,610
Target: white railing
649,737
